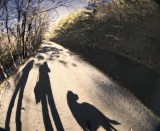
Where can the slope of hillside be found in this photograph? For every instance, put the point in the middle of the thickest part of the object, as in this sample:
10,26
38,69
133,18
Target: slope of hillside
128,28
121,39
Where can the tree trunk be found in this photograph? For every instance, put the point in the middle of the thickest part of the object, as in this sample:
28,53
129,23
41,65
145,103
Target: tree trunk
9,41
3,72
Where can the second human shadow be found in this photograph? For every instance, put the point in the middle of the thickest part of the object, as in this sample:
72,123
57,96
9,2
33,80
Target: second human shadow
88,116
43,94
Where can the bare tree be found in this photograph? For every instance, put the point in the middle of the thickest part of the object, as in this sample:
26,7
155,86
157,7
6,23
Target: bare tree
25,21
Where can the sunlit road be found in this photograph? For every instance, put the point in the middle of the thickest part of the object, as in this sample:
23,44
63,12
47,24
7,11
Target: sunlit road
58,90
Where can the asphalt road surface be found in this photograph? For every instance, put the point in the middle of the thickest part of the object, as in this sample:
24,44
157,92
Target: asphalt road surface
58,90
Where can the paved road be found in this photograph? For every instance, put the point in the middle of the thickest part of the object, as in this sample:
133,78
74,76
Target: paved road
57,90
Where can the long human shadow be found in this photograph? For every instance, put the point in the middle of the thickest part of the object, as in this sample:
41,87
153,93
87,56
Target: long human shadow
19,88
88,116
43,94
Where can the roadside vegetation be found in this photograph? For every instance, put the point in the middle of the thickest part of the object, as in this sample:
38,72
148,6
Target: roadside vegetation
129,28
22,26
121,38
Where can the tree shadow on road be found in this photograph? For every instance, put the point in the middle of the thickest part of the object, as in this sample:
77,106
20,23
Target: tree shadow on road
19,88
47,49
88,116
43,94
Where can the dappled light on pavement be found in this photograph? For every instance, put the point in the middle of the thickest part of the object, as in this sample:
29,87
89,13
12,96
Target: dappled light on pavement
57,90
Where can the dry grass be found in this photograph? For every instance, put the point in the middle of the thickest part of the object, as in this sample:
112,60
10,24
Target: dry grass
128,28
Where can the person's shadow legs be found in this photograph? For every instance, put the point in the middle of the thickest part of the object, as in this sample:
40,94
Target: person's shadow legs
19,88
46,118
43,94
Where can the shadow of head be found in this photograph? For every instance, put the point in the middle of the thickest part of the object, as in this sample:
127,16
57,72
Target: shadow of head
88,116
71,96
45,67
29,66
